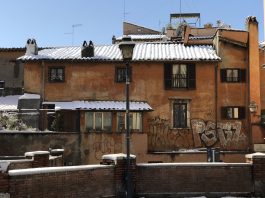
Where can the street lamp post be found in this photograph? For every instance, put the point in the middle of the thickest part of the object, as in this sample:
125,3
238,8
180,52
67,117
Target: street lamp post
126,47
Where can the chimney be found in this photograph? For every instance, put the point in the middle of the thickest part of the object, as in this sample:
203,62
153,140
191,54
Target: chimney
87,50
31,47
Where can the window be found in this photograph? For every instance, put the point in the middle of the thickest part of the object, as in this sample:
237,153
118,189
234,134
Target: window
180,114
2,84
233,75
121,74
233,112
180,76
56,74
99,121
135,121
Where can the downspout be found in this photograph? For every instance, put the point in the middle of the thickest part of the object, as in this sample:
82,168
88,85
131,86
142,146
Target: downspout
250,148
43,82
42,114
216,98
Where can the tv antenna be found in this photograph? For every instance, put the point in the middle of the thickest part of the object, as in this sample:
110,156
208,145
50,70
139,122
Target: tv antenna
73,31
124,10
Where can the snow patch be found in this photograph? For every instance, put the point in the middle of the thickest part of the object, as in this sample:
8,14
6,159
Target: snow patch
193,164
31,154
4,165
115,157
33,171
29,96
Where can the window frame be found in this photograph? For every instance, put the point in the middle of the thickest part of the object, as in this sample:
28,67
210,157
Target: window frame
176,124
190,76
241,111
139,117
2,84
123,69
50,69
241,75
103,128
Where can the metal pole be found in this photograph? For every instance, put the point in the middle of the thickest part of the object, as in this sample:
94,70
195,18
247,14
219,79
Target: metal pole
128,177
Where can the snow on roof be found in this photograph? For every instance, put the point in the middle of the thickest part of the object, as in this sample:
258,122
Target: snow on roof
32,171
162,51
9,103
101,105
145,37
29,96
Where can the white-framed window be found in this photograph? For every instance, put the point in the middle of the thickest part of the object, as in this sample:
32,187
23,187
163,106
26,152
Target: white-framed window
98,121
136,121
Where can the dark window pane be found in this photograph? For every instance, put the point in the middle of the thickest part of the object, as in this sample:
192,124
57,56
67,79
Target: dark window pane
179,115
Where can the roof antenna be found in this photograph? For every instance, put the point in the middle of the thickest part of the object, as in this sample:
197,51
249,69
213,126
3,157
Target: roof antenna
73,31
180,11
124,10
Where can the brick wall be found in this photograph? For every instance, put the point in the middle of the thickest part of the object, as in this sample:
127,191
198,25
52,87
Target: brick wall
81,181
201,179
258,165
3,182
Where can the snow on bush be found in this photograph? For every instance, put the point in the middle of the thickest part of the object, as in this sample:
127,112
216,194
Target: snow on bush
10,121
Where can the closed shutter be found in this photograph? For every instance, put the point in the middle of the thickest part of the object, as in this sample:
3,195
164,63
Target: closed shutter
168,75
242,75
241,112
223,75
191,76
224,112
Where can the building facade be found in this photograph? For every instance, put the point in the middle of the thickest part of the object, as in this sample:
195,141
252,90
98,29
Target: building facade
182,95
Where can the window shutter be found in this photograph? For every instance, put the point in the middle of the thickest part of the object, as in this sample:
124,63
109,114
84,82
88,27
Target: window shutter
167,75
223,75
191,76
223,112
242,75
241,112
49,74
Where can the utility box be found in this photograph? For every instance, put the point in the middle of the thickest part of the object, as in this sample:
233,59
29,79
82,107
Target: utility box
213,154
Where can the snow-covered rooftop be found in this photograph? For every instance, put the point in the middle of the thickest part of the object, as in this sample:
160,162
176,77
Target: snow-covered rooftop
101,105
29,96
9,103
162,51
145,37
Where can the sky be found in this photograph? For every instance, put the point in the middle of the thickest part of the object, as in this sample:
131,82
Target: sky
51,22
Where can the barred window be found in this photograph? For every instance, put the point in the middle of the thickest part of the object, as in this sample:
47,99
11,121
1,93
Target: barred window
180,76
56,74
120,74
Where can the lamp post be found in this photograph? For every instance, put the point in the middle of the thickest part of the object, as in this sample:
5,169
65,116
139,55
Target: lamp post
126,47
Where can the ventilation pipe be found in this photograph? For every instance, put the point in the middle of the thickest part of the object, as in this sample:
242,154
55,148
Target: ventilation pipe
87,50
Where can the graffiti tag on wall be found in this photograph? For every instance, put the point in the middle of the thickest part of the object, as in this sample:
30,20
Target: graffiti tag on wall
227,133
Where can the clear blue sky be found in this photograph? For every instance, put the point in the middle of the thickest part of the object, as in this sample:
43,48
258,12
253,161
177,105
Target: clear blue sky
49,21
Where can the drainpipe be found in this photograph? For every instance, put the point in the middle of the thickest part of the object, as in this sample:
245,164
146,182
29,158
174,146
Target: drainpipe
216,97
43,81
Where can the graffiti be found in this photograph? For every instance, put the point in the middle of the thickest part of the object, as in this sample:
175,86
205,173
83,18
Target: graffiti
105,147
206,133
162,137
227,135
